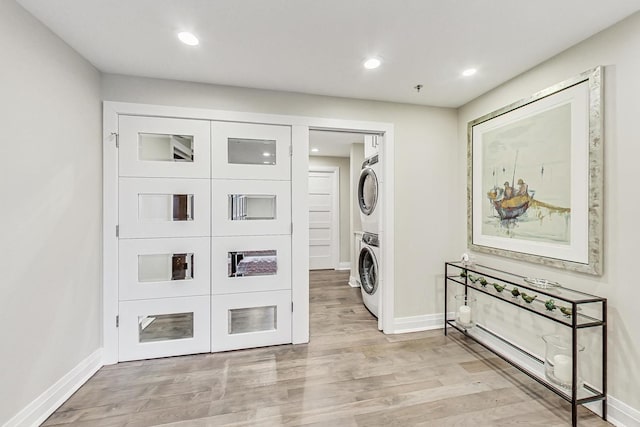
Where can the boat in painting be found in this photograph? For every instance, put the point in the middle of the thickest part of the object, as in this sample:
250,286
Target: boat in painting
512,208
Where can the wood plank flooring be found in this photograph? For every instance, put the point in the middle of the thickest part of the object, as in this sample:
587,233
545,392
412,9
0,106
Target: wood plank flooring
350,374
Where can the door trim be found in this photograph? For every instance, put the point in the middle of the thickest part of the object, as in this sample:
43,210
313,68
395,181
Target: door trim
299,212
335,214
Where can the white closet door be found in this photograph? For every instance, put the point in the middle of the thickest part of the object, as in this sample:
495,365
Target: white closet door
164,207
248,320
162,147
250,207
251,264
162,268
250,151
323,220
164,327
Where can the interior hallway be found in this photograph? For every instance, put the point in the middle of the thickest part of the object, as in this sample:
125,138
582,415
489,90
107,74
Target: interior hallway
350,374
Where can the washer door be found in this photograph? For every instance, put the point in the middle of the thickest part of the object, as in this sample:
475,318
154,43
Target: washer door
367,191
368,270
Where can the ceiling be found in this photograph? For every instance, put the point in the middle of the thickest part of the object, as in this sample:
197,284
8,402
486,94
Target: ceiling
318,46
333,144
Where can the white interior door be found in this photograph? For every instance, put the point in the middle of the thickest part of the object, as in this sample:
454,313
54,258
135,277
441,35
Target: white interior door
204,249
324,224
164,215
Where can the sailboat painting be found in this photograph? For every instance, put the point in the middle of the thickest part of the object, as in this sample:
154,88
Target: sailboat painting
535,177
526,175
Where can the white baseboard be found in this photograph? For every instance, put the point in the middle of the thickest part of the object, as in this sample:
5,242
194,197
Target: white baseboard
344,266
36,412
424,322
618,413
353,282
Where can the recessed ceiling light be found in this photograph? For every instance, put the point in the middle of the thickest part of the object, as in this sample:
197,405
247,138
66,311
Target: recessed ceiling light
469,72
188,38
315,150
266,154
372,63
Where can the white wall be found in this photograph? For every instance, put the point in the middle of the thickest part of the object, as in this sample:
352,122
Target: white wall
425,156
50,187
356,158
618,49
343,164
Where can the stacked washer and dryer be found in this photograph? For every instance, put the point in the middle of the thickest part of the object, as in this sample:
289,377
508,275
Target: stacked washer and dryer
369,201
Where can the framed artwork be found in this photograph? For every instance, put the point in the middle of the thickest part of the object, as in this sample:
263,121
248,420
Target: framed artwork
535,177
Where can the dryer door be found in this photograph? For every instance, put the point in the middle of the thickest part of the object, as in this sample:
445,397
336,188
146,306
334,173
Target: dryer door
367,191
368,270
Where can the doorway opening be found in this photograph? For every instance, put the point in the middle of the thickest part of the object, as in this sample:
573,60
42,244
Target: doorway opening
336,162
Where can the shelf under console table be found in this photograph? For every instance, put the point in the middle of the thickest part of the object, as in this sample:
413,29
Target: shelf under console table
553,306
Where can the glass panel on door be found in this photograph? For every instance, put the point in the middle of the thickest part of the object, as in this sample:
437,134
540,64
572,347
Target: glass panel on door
250,151
253,319
165,327
165,267
252,263
165,148
251,207
158,147
165,207
243,151
156,207
162,268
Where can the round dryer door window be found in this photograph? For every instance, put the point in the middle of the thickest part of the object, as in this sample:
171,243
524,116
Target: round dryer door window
367,191
368,268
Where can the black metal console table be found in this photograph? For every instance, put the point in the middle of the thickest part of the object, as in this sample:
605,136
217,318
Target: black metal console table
573,309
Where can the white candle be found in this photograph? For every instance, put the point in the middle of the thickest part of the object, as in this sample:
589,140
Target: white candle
465,314
562,368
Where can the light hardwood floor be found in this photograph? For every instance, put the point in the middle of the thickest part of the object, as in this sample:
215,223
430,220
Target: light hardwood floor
348,375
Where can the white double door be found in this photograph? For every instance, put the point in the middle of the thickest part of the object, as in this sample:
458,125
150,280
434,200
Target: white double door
204,249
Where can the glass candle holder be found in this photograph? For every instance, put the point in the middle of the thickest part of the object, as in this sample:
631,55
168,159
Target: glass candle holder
558,360
465,311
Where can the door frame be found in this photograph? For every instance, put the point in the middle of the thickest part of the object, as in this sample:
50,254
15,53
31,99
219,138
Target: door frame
300,127
335,214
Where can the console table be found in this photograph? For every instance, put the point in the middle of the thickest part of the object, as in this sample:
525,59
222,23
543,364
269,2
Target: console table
572,309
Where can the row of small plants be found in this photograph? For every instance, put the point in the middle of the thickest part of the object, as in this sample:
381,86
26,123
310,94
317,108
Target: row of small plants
550,304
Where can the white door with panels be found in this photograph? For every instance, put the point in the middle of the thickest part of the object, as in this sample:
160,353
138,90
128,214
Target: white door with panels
323,218
204,246
251,229
164,246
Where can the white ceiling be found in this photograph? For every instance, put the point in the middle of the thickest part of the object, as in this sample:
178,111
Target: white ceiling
318,46
333,144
